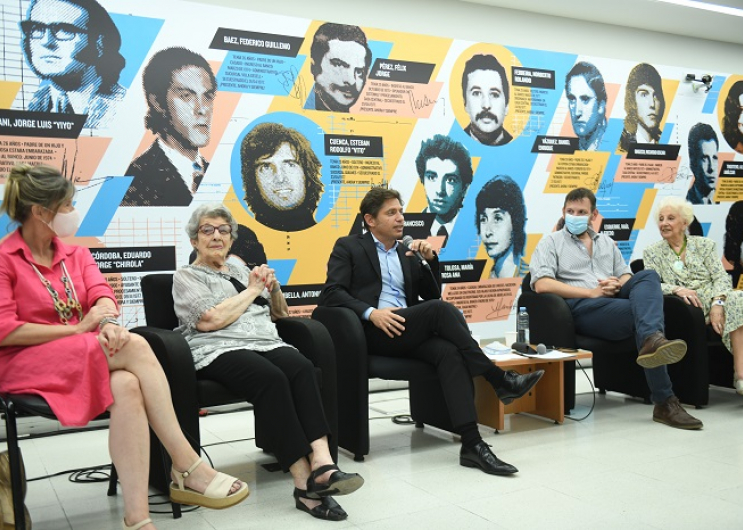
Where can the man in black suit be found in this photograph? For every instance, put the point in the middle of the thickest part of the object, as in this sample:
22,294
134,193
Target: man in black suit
382,282
180,88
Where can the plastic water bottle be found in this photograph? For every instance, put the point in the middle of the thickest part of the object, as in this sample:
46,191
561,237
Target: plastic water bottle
522,325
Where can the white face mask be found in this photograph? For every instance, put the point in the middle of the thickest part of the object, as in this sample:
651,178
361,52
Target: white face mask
65,224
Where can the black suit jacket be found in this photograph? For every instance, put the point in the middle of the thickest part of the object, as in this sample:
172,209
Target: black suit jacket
355,278
156,181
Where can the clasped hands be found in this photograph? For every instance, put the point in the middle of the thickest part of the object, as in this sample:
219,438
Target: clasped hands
607,288
262,277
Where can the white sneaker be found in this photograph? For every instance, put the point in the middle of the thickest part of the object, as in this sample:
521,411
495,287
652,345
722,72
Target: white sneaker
738,384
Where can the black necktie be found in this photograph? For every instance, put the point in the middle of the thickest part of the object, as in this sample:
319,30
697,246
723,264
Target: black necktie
63,105
443,232
196,177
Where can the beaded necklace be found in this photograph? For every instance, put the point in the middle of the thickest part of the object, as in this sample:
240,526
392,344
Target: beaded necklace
63,309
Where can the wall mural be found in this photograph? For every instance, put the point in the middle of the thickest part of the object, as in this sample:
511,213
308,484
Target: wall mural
154,108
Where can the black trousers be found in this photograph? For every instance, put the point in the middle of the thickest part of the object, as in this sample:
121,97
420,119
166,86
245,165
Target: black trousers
282,386
437,333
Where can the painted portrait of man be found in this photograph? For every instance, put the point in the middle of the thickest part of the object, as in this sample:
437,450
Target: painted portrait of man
486,94
73,46
703,148
445,170
180,88
281,177
340,65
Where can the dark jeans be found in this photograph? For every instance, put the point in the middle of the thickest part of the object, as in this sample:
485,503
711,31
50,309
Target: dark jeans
282,387
636,310
437,333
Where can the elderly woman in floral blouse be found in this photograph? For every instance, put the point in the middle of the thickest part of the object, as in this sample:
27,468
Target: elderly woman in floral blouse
690,268
226,314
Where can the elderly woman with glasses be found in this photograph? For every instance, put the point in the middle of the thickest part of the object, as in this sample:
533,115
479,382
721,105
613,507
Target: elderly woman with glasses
226,314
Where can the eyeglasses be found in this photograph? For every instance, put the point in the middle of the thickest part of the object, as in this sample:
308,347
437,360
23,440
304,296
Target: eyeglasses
59,30
208,230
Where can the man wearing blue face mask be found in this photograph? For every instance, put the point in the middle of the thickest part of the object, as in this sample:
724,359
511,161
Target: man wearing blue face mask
588,270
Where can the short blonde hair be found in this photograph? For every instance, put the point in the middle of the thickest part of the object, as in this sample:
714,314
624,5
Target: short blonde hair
679,205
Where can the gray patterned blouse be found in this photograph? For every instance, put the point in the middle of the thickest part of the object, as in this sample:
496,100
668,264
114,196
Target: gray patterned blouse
197,289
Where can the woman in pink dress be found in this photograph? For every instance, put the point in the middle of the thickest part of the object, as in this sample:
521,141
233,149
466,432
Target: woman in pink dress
59,339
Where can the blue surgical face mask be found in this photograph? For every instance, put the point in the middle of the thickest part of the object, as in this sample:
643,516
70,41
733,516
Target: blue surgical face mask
576,224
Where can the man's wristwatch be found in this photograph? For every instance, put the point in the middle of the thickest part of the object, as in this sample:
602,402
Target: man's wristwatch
718,301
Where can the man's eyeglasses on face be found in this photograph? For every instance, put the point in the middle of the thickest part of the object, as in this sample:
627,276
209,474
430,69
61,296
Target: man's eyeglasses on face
208,230
59,30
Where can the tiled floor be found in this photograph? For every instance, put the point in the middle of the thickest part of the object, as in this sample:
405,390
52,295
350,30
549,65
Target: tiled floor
617,469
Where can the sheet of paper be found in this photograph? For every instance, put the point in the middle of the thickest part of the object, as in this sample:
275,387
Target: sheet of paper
550,354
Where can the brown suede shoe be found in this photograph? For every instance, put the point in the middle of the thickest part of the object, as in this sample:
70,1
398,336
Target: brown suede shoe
658,350
672,413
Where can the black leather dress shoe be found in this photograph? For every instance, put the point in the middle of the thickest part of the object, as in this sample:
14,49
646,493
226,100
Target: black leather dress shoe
516,385
481,456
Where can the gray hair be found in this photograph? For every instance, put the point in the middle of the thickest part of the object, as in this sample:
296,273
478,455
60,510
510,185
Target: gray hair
210,210
679,205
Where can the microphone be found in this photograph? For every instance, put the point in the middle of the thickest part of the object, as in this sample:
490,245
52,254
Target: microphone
406,241
523,347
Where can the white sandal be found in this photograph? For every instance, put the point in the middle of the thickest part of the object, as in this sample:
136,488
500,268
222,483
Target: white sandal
738,384
137,526
217,494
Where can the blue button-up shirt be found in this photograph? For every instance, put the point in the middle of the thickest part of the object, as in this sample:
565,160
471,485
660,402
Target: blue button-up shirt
393,283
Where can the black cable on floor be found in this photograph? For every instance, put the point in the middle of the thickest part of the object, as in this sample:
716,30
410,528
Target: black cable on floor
403,419
593,393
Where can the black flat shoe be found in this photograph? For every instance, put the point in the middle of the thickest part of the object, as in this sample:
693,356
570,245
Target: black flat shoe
328,509
516,385
340,483
482,457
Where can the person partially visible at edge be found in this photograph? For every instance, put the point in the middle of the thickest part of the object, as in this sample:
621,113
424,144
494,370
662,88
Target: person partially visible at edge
608,302
73,46
734,240
60,338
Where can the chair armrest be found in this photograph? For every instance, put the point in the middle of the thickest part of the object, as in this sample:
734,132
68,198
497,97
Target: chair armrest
174,355
349,340
312,339
550,319
352,365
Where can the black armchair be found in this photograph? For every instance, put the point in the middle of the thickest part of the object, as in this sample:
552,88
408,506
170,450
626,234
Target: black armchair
12,406
614,362
712,362
190,395
356,366
551,322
